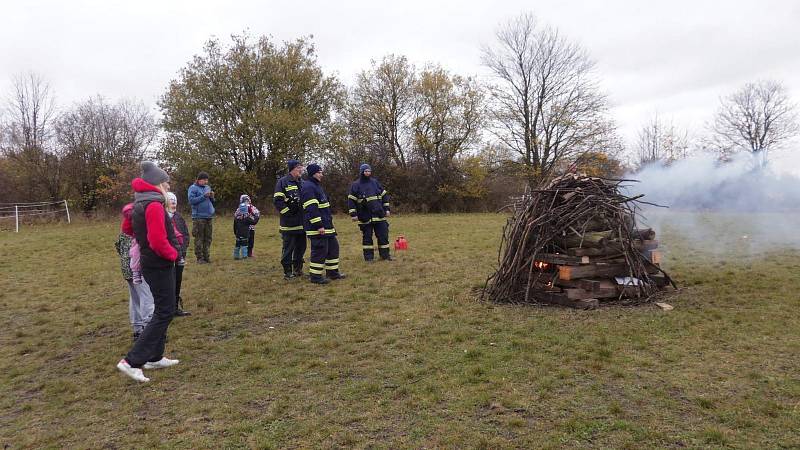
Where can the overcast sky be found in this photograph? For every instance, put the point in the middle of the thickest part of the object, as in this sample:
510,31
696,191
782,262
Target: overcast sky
675,58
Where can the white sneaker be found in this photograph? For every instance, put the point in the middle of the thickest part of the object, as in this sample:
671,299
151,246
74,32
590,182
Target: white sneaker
132,372
161,363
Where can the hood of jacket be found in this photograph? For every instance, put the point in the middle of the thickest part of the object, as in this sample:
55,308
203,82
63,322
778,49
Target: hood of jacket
139,185
144,191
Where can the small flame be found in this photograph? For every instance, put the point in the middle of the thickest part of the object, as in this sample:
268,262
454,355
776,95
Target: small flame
541,265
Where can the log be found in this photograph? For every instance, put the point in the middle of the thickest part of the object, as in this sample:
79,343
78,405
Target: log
613,248
552,258
595,288
592,270
577,294
646,234
595,224
562,299
605,251
594,239
651,244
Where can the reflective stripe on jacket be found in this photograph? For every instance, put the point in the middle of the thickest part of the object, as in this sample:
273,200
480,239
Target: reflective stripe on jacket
288,204
316,209
368,200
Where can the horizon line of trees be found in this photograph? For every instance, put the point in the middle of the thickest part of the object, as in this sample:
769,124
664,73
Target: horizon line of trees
441,141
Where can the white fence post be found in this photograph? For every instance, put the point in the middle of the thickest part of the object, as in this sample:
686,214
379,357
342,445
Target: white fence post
16,216
67,207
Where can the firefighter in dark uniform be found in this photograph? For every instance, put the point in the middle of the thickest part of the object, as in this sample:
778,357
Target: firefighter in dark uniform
287,202
368,204
318,223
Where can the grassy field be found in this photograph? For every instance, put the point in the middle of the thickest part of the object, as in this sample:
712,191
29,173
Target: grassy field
400,354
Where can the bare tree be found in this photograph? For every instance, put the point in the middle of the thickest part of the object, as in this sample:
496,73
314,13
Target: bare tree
661,141
31,111
756,118
547,105
102,139
27,136
381,107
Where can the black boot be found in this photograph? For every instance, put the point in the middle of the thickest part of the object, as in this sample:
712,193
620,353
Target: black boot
335,275
319,279
369,255
179,311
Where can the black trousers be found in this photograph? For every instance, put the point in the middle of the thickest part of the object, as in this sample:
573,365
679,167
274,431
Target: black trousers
381,230
150,345
294,248
251,243
178,281
324,256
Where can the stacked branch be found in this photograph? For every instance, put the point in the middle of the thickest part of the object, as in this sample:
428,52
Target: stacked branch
574,242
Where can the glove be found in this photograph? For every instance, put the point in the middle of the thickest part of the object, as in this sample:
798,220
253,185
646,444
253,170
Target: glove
293,203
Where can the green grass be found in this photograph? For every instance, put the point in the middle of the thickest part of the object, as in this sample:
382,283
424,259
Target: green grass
399,354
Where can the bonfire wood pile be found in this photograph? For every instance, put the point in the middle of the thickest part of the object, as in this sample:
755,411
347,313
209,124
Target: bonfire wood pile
574,242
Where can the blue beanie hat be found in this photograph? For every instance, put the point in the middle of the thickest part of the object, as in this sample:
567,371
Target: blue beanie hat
364,168
292,163
312,169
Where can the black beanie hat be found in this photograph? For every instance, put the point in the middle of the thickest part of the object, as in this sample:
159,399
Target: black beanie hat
292,163
202,176
312,169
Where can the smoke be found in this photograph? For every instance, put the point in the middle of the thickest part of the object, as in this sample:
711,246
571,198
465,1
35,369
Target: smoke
724,207
740,185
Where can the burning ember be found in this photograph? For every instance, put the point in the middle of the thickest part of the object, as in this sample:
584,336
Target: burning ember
541,265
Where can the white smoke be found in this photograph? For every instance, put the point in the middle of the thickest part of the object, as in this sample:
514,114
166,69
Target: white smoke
703,183
722,207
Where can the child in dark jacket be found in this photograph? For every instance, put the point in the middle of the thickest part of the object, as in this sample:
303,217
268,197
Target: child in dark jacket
244,198
242,220
182,234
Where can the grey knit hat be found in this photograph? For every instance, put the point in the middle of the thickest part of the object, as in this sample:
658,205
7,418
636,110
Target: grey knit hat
153,174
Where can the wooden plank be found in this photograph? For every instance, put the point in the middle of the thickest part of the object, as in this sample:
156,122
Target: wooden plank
589,251
649,244
655,256
562,299
612,248
577,294
552,258
600,287
589,239
592,270
606,293
596,288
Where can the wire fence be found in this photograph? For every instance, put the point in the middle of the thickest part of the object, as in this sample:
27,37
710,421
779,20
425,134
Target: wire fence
20,211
